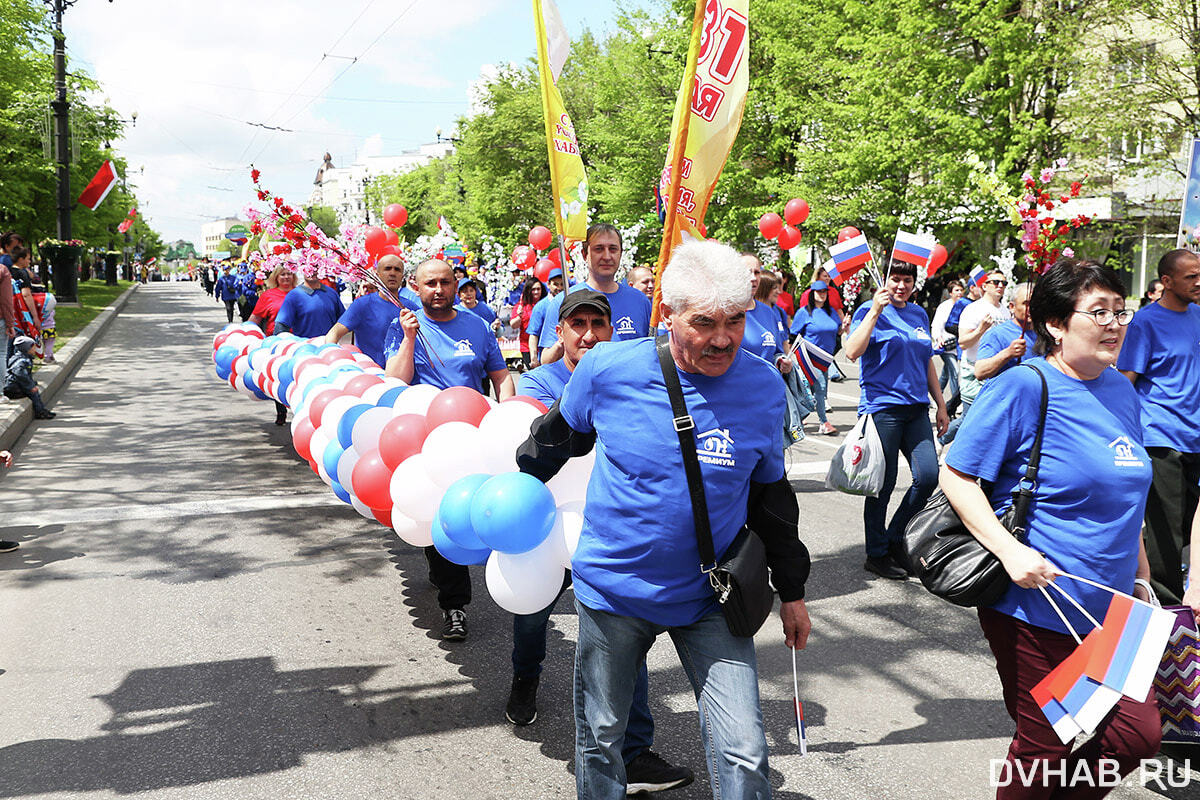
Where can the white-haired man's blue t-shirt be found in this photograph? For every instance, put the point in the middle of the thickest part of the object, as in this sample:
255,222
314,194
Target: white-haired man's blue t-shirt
637,554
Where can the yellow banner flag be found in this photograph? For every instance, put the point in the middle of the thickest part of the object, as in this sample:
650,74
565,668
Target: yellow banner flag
708,114
568,179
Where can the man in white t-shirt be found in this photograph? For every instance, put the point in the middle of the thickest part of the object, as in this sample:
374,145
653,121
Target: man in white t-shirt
975,321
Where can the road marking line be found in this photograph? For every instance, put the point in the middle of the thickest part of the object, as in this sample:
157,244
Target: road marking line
841,396
197,508
808,468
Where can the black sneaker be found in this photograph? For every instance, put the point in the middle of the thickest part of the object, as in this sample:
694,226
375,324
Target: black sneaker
649,772
900,556
281,418
44,415
522,701
8,547
454,629
886,567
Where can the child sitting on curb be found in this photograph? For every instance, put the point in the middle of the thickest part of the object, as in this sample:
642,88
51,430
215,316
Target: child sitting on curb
20,382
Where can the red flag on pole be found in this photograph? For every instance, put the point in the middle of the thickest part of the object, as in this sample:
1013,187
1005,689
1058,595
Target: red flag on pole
99,186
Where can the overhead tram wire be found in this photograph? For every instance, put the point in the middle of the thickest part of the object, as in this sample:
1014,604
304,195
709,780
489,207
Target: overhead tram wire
356,59
270,117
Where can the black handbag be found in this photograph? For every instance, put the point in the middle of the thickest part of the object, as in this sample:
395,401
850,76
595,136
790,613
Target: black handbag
739,580
948,559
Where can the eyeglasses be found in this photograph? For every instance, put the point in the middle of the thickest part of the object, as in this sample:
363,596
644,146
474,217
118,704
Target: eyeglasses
997,283
1102,316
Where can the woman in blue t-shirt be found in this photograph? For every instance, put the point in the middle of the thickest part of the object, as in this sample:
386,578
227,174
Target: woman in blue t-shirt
1086,515
819,323
897,378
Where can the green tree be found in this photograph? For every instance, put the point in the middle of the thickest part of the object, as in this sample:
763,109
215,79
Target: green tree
325,219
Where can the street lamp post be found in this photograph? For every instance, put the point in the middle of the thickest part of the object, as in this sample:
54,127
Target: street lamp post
62,120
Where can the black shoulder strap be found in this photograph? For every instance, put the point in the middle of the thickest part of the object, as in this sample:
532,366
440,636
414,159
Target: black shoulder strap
685,427
1023,495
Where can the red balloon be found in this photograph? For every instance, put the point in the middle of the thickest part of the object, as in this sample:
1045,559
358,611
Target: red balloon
530,258
383,516
555,257
540,237
359,384
524,398
456,404
317,407
938,258
796,211
770,224
848,232
332,355
391,250
542,270
303,364
392,239
395,215
789,237
402,437
371,480
302,438
375,240
220,339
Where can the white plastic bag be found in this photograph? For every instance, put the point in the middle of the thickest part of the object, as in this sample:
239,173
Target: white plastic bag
858,466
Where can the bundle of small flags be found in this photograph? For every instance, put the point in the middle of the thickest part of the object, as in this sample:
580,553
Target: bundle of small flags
1119,658
811,359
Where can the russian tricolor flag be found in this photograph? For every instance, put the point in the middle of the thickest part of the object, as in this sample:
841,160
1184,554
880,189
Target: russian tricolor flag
849,257
978,276
911,248
811,360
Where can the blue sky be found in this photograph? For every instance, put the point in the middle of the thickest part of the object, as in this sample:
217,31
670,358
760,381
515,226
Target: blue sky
198,73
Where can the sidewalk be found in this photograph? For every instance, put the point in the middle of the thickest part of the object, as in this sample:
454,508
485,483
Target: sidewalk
16,415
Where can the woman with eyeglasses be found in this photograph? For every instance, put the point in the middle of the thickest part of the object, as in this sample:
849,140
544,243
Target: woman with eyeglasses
1085,519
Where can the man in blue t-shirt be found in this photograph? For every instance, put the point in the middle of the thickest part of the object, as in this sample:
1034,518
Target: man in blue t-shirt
630,308
310,309
1161,355
225,290
637,569
544,317
443,347
370,316
1008,343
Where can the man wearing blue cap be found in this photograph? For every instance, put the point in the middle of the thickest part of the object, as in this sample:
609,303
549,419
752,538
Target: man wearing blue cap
468,299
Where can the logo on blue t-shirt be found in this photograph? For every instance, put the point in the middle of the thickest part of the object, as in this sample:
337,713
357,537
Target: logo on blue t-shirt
1123,454
625,326
462,348
920,333
768,339
716,448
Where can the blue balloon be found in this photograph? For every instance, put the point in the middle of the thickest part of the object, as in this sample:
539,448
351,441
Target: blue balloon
287,370
281,389
314,386
512,512
346,423
248,382
304,350
388,399
224,357
330,457
452,551
341,493
455,511
344,367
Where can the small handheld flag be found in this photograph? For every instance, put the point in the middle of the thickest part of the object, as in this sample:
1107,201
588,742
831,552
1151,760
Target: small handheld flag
800,730
912,249
99,186
849,257
811,359
978,276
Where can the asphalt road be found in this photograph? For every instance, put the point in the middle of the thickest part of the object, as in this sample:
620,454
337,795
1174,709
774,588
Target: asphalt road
193,615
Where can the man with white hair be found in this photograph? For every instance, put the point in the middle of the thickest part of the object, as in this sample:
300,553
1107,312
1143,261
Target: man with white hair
637,570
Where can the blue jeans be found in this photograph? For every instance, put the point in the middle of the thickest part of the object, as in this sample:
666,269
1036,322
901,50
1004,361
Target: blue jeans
902,429
820,391
955,424
724,676
949,376
529,651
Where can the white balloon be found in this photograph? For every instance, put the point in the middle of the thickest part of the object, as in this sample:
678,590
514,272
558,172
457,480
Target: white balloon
334,411
564,536
509,417
373,393
571,482
368,427
259,358
414,494
359,505
523,583
345,468
452,451
418,534
497,454
342,378
415,400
